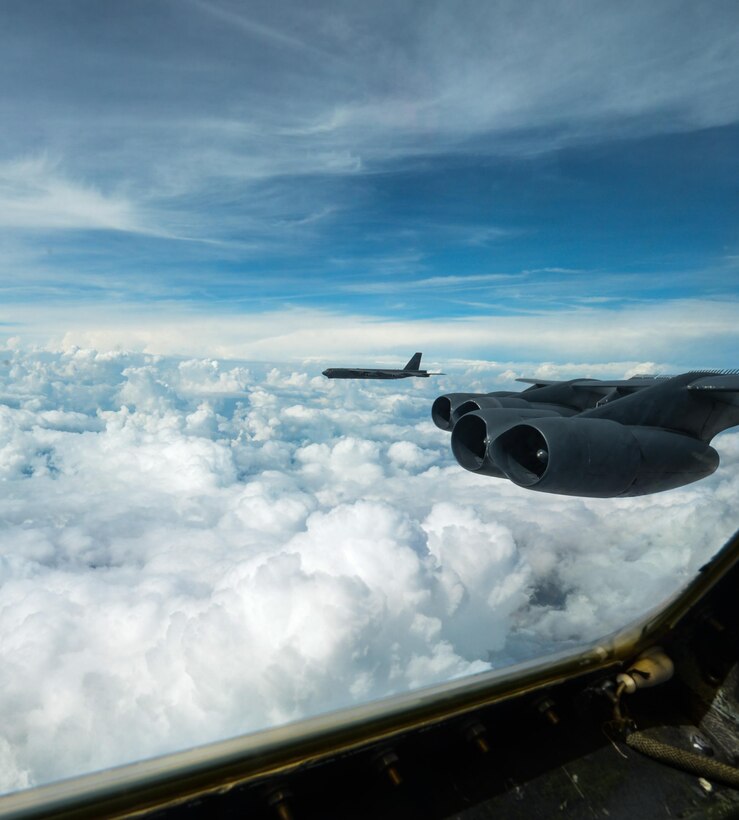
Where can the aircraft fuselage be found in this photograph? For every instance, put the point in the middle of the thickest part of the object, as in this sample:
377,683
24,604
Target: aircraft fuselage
364,373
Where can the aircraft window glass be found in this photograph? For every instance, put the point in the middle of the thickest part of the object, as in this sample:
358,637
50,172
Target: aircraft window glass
209,211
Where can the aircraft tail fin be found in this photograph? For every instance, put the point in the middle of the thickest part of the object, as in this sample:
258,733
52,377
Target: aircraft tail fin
414,363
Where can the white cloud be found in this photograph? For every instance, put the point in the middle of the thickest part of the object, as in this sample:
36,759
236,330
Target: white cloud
34,194
471,76
702,332
410,456
451,282
318,93
196,548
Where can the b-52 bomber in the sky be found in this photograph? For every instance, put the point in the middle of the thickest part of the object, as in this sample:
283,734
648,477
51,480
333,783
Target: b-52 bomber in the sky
411,369
597,439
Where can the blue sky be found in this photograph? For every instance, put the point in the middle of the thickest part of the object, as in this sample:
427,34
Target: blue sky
397,164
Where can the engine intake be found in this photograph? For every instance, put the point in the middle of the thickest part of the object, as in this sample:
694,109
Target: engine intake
474,432
446,409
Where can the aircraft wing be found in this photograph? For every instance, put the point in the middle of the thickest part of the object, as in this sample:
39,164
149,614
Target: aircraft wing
723,387
721,381
636,381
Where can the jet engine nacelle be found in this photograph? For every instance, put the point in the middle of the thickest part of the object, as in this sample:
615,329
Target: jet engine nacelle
473,433
445,410
596,458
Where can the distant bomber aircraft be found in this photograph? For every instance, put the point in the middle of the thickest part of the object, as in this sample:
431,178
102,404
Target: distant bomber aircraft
597,439
411,369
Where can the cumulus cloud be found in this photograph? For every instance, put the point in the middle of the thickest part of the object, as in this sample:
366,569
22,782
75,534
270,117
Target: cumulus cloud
194,548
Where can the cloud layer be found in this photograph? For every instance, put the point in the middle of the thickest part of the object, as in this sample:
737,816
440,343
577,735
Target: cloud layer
191,549
689,333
